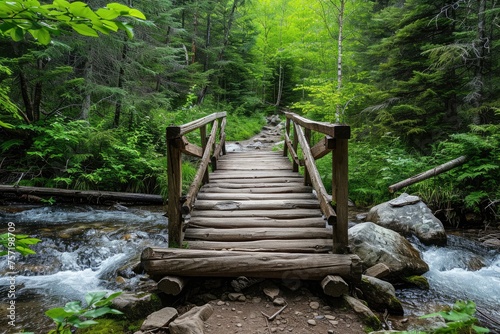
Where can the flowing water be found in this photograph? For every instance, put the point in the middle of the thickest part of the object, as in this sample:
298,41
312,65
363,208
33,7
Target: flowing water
82,250
463,270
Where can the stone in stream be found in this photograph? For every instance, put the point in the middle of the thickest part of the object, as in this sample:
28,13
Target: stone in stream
376,244
380,295
408,215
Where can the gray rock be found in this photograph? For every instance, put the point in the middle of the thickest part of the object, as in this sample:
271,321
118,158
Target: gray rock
380,270
270,290
159,319
364,312
412,218
191,322
137,305
380,295
376,244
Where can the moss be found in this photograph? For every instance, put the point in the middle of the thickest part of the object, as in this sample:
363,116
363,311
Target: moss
109,326
418,281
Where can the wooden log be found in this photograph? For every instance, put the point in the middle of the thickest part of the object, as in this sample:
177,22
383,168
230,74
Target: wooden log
282,204
290,180
159,262
279,214
334,286
256,188
252,174
98,197
241,222
290,246
428,174
174,131
340,194
250,196
172,285
174,184
323,147
257,233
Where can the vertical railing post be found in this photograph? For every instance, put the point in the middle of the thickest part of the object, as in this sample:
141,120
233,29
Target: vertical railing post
295,144
203,134
340,194
307,177
174,183
287,133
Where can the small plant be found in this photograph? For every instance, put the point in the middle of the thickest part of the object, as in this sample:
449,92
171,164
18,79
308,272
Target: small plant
460,319
20,243
74,315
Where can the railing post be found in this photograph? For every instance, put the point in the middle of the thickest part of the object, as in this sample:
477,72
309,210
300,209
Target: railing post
203,134
174,176
340,194
295,144
287,133
307,176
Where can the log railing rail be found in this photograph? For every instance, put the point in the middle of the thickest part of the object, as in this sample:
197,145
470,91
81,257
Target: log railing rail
335,140
211,148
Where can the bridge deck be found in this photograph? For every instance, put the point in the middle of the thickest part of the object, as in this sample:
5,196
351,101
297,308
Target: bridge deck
254,202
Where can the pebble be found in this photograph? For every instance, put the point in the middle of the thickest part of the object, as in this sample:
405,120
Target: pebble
238,325
256,300
314,305
311,322
220,303
279,301
330,317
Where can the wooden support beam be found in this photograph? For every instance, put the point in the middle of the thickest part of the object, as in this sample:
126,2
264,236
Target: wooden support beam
191,149
160,262
334,286
340,194
323,147
172,285
174,183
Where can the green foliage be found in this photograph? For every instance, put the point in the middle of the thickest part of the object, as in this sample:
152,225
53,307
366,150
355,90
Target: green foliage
21,243
19,17
460,319
73,315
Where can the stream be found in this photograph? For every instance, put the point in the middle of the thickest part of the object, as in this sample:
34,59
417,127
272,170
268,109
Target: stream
85,248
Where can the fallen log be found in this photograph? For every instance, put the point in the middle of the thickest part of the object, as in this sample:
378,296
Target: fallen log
87,196
161,262
334,286
428,174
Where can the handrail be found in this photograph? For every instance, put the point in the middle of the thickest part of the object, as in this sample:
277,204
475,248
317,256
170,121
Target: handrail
210,151
335,141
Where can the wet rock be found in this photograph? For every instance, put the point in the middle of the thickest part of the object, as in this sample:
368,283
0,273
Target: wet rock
419,281
408,217
191,322
159,319
137,305
376,244
380,295
492,242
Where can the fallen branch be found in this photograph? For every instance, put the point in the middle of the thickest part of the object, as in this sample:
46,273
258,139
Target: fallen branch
271,318
428,174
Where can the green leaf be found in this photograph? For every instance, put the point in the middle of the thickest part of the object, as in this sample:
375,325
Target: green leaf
107,13
93,297
73,307
480,329
42,35
85,324
98,312
84,30
17,34
136,13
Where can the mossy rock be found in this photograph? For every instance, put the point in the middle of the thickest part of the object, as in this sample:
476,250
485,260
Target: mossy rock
137,305
419,281
110,326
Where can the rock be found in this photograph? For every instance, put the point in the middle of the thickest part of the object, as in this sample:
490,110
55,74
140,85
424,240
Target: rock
492,242
159,319
409,219
380,295
137,305
314,305
366,315
380,270
191,322
270,290
279,301
233,296
376,244
404,199
243,282
419,281
311,322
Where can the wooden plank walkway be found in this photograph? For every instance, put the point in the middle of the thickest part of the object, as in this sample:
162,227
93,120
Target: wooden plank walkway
254,202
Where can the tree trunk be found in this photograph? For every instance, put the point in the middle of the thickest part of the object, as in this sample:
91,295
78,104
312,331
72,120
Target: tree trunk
121,75
338,112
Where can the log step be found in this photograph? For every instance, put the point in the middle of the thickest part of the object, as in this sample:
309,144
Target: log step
160,262
251,196
291,246
241,222
257,204
246,234
279,214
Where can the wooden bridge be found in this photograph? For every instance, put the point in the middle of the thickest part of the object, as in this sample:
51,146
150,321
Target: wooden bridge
254,215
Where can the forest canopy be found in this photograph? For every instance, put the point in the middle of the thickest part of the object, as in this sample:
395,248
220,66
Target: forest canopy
417,80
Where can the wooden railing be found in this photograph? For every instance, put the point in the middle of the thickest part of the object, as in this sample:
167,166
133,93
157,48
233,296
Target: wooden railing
211,148
335,140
